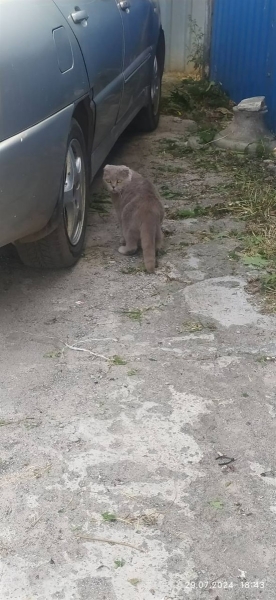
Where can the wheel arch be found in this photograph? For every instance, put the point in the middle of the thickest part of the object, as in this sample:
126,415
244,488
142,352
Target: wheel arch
84,114
161,50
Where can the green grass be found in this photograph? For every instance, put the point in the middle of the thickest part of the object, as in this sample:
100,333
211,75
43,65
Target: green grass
168,169
168,193
207,134
249,194
133,270
134,314
119,562
118,360
100,202
109,517
193,326
53,354
132,372
249,191
198,99
173,147
268,282
186,213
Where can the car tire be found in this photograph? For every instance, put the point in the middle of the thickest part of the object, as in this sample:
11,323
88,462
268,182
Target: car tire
63,247
148,118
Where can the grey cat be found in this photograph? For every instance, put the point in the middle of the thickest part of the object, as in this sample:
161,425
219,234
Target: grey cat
139,210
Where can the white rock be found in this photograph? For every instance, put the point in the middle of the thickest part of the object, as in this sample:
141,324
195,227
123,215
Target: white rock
252,104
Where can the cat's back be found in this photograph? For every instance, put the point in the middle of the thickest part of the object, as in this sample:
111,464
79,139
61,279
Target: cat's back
141,190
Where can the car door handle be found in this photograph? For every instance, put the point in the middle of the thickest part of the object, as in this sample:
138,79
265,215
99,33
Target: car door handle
79,16
124,5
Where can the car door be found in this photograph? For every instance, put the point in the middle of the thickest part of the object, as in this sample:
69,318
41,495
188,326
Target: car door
137,20
97,25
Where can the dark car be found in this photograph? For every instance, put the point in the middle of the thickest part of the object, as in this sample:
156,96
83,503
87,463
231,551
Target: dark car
72,78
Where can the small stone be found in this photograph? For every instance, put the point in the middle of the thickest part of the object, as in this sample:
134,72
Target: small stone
194,143
272,167
254,104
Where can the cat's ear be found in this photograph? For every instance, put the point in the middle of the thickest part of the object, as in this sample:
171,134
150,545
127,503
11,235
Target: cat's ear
125,170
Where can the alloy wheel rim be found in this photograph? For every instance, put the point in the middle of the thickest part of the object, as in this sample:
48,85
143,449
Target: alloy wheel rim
155,87
74,192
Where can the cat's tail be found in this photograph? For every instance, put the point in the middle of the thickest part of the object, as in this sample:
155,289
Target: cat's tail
148,232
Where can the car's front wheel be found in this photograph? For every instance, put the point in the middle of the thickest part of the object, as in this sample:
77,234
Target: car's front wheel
63,247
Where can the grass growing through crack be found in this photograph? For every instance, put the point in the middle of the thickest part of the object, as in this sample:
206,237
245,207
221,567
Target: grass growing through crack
119,562
133,270
134,314
109,517
53,354
148,519
194,326
118,360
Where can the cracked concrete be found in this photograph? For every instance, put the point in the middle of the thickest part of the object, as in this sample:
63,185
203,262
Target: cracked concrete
110,484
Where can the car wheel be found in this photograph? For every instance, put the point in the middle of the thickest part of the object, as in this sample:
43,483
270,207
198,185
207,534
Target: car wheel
148,117
63,247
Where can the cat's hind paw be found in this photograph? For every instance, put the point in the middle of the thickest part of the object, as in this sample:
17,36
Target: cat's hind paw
122,250
127,250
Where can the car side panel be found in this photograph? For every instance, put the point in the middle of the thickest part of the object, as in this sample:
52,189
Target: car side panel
101,41
41,66
31,167
100,153
141,26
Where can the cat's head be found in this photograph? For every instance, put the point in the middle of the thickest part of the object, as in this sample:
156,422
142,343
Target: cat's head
115,177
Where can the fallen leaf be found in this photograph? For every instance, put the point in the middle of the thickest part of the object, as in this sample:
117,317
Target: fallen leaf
134,581
53,354
224,460
216,504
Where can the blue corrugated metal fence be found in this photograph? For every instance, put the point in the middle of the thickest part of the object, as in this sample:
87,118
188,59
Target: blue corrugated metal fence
243,50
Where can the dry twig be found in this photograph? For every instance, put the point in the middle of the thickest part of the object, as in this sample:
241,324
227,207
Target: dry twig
85,350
